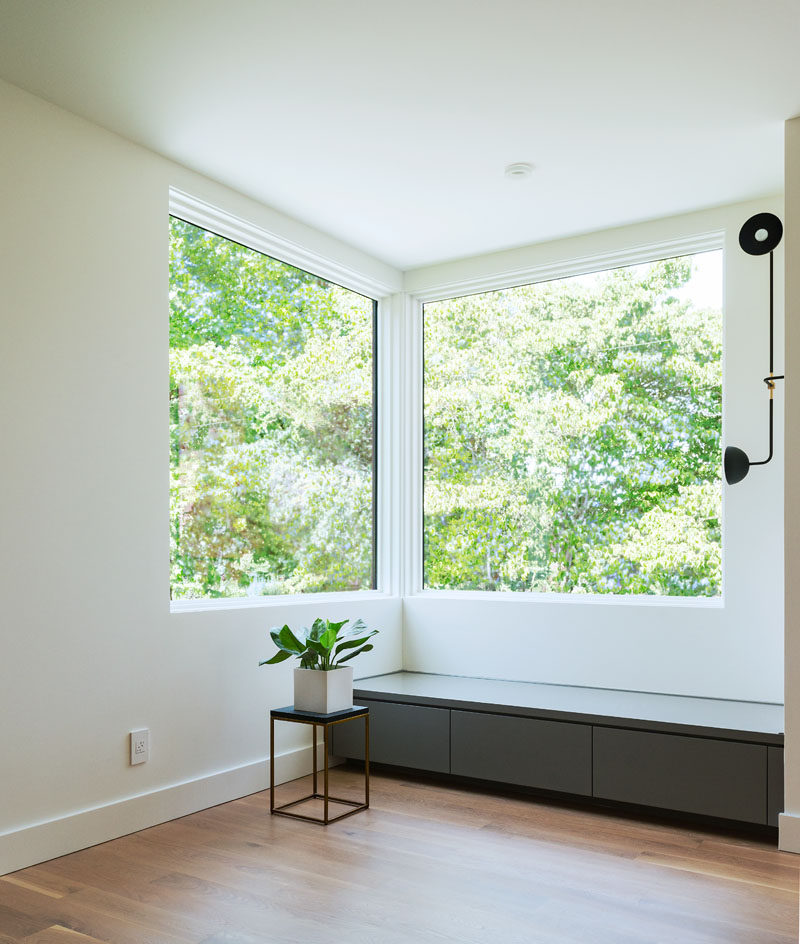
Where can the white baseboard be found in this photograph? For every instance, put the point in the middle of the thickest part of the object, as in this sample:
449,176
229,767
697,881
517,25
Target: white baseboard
789,832
39,842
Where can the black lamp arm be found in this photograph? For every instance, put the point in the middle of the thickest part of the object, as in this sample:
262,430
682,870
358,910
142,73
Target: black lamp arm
769,457
771,378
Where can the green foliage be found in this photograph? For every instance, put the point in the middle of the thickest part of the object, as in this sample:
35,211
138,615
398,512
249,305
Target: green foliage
224,293
572,432
572,437
271,424
324,645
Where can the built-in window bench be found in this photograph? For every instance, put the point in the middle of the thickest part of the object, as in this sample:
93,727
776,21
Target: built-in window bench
701,756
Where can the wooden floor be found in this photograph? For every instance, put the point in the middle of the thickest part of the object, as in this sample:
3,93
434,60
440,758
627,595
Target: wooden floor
427,863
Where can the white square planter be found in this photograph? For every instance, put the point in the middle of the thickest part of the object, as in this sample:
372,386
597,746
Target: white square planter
323,692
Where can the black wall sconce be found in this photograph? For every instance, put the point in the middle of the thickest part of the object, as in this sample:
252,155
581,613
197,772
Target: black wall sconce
759,236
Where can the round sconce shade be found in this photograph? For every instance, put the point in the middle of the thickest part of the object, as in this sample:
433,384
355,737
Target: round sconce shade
760,234
737,465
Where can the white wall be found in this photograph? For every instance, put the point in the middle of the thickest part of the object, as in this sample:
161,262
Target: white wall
790,821
729,650
89,649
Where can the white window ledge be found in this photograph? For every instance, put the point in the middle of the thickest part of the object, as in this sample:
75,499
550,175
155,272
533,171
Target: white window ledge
592,599
287,600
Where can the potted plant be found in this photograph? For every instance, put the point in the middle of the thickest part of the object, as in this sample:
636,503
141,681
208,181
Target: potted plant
322,684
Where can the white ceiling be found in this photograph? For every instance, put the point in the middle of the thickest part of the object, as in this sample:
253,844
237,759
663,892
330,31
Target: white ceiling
388,125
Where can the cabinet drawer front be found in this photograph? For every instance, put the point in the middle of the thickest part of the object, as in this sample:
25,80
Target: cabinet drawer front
549,755
774,784
404,735
689,774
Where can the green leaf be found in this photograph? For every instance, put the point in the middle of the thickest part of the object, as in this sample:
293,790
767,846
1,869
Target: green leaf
290,641
285,639
356,653
281,656
309,659
328,639
277,640
352,643
317,647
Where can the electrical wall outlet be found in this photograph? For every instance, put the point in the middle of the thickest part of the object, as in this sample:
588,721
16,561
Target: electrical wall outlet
140,746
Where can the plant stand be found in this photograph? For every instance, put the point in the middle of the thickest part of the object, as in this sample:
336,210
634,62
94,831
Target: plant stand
324,721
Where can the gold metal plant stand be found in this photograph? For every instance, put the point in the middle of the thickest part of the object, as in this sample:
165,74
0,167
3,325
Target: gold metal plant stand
326,722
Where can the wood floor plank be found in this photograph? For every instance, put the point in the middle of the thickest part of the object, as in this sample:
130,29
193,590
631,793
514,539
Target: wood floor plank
428,863
170,919
32,886
61,935
18,924
73,913
115,929
772,875
38,878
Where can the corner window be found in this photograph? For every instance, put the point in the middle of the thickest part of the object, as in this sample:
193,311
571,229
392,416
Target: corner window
272,425
572,434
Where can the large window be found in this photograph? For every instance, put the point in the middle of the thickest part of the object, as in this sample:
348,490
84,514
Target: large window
272,425
572,434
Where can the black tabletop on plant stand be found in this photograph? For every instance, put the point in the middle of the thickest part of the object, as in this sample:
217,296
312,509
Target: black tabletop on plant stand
290,713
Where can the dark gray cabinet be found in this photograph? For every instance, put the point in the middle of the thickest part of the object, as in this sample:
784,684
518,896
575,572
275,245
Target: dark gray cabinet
404,735
549,755
699,756
690,774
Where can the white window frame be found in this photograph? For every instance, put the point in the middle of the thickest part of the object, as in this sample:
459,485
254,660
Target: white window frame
230,226
413,434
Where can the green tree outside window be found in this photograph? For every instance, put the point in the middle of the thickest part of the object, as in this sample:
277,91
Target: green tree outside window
572,435
271,425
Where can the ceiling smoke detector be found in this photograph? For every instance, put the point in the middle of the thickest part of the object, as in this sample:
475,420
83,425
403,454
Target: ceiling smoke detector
519,170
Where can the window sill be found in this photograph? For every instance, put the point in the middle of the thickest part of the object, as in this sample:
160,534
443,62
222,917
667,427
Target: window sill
560,599
289,600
